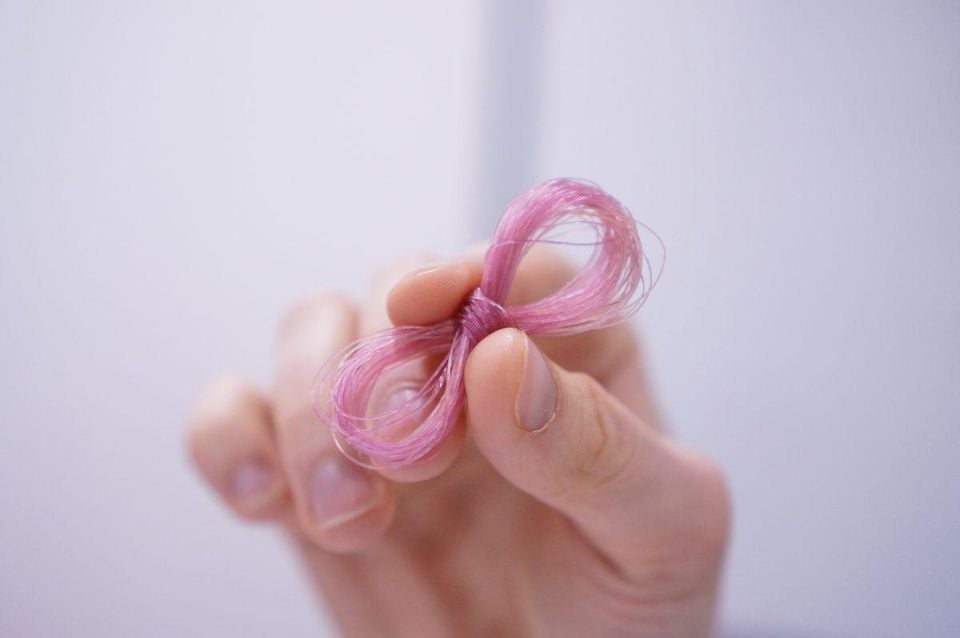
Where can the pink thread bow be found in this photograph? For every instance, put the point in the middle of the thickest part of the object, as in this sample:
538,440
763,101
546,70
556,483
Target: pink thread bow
601,294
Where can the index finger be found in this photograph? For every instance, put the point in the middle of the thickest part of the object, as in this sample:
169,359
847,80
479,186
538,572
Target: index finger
430,295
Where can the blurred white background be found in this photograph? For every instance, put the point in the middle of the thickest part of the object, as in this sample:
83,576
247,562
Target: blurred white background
171,174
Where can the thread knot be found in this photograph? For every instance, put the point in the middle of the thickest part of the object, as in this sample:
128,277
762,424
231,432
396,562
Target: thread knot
481,316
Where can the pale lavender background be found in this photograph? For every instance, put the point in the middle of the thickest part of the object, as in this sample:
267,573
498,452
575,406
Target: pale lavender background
172,173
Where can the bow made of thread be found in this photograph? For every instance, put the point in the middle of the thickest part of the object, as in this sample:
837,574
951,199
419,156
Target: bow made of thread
363,393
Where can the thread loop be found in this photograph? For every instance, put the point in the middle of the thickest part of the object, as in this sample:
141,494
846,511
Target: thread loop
613,284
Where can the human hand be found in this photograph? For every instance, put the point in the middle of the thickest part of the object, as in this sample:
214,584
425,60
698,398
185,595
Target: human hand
557,508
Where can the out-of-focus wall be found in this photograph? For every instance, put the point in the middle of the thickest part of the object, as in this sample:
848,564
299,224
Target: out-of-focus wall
172,174
802,164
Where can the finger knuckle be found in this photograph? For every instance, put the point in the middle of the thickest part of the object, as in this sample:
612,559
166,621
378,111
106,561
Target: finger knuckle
606,447
715,504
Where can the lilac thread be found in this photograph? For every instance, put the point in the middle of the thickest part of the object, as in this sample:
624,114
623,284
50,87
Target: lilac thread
602,293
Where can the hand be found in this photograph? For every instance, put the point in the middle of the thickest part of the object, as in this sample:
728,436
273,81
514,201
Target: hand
558,508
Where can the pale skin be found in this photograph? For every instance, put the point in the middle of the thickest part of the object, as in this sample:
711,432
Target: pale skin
558,508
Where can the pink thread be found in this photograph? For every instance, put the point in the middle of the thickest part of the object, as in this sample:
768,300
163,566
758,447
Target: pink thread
602,293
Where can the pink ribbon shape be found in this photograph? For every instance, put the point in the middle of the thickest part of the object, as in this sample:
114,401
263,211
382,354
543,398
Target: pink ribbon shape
604,292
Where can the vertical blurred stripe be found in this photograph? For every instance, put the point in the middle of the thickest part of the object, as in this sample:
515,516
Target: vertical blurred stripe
511,79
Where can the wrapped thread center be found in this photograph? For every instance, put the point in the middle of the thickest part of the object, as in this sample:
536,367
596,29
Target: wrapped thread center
481,316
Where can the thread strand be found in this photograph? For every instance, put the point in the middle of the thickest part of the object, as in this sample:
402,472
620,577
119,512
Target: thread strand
351,391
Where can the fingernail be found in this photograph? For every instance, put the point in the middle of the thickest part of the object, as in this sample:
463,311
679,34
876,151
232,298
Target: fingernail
341,491
425,270
398,397
251,480
537,399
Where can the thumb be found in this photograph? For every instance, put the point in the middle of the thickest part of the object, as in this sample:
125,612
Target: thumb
560,437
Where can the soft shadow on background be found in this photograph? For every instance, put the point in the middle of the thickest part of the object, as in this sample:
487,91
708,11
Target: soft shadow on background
172,174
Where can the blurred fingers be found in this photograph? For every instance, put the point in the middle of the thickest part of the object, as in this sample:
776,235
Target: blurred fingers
431,294
374,316
340,506
231,444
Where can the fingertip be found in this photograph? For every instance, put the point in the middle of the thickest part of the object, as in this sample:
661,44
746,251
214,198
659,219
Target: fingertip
433,465
492,377
545,429
323,307
256,489
500,353
375,317
346,507
229,442
357,534
433,293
